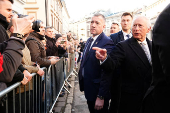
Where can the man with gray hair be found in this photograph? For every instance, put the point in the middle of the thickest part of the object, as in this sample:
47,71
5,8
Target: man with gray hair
92,80
133,56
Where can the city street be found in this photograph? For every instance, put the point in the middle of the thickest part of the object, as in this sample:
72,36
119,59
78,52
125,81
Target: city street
79,101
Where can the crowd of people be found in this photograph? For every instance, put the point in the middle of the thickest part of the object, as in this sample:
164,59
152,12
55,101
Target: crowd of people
27,45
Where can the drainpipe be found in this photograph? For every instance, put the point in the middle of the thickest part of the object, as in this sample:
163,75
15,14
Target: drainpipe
46,12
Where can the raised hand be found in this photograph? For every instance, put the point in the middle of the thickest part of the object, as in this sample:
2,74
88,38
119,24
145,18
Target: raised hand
101,54
22,25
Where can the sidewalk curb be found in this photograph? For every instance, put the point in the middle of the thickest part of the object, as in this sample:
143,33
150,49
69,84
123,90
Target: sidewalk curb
64,104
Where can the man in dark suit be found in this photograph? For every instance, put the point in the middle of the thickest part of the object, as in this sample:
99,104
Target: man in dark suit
92,80
133,56
157,98
125,33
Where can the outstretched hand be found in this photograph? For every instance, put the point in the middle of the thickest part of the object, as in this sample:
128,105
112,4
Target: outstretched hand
22,25
101,54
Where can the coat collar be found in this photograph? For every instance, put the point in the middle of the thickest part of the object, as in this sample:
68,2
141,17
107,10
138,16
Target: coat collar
3,21
37,35
139,51
51,39
120,33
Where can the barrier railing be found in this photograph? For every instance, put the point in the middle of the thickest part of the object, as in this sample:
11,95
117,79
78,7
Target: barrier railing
42,93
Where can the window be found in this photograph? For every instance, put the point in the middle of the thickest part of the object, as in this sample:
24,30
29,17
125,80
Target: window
52,20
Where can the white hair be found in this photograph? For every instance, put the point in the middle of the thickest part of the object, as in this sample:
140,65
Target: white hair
146,18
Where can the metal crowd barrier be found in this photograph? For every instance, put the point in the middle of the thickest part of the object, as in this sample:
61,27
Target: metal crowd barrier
44,92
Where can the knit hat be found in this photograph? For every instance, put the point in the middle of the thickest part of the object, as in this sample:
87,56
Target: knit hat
57,36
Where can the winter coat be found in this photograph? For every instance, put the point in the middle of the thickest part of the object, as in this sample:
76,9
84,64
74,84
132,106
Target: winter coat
11,49
37,49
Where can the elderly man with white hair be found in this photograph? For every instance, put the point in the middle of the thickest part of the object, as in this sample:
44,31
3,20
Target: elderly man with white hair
133,56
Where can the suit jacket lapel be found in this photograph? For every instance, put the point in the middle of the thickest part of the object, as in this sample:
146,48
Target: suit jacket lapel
94,45
149,44
139,51
121,36
84,50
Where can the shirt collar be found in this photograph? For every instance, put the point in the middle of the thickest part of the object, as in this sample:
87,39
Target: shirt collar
124,34
144,42
94,38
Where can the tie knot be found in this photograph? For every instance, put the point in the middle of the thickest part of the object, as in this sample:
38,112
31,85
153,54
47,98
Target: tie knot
91,39
128,35
142,43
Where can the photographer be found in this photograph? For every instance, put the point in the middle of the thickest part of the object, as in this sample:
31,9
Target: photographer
36,47
12,48
52,49
61,44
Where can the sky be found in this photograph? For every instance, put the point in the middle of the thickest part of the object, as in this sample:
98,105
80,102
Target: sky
79,8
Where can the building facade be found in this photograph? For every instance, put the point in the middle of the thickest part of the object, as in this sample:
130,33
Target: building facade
18,6
51,12
65,18
35,8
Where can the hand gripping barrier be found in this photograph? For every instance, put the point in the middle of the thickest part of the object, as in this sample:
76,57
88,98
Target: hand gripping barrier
41,93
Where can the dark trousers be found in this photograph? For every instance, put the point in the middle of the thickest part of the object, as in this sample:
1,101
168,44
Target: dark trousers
115,93
91,105
79,57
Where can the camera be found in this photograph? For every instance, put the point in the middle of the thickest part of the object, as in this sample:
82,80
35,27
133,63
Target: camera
36,23
62,42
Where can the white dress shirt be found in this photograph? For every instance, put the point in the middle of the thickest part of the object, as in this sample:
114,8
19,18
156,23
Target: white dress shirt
94,39
125,35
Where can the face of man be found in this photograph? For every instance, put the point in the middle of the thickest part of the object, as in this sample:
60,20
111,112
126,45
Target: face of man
64,36
114,29
6,9
140,28
49,32
42,29
126,22
97,25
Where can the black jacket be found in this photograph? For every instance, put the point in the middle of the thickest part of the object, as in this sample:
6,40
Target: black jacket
117,37
157,98
11,49
52,49
136,73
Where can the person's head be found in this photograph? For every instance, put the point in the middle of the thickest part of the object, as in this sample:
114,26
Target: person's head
64,36
114,28
126,21
41,27
97,24
58,36
49,31
141,26
69,33
6,9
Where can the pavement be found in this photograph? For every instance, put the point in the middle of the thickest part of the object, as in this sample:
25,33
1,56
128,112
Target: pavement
79,103
73,102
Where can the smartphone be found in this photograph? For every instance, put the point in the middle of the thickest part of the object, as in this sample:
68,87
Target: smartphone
62,42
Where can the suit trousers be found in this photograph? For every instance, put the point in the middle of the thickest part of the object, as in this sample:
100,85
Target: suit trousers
91,105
